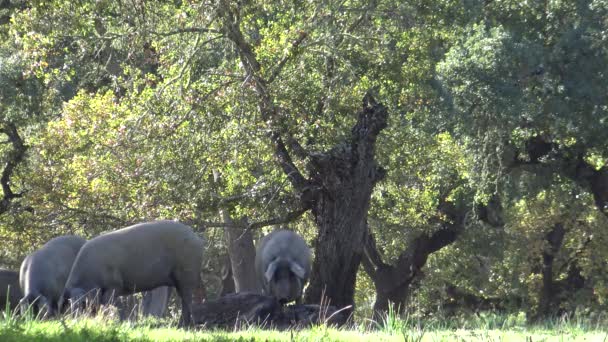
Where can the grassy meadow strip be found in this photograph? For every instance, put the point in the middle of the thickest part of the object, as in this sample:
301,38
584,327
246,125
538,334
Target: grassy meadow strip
483,327
99,329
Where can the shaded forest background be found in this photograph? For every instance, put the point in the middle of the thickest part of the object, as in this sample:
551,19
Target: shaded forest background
447,156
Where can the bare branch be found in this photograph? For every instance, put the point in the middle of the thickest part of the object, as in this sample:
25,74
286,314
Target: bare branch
14,158
209,224
289,168
372,259
289,217
268,110
568,161
185,30
95,214
294,45
297,149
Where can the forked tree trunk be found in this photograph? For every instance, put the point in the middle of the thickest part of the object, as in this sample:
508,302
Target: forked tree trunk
346,176
393,282
554,238
341,180
340,218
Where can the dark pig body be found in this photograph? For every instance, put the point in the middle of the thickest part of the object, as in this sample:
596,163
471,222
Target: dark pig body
283,263
139,258
43,274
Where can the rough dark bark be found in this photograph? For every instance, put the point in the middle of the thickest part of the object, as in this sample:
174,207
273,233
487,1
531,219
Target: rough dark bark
341,180
347,174
244,308
554,238
14,157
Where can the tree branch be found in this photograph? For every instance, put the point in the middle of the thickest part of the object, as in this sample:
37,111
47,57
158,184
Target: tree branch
96,214
567,161
185,30
267,108
289,217
372,119
294,45
289,168
372,259
297,149
15,156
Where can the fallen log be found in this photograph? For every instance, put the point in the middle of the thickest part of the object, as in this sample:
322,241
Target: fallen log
238,309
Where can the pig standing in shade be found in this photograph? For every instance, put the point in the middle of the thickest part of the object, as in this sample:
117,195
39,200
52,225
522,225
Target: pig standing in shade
282,263
43,274
136,259
10,293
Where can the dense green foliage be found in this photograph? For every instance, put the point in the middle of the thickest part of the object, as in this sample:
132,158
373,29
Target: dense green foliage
127,109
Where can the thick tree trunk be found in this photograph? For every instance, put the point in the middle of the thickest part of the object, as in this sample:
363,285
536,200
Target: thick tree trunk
227,278
338,248
341,180
347,175
242,256
240,249
554,238
393,283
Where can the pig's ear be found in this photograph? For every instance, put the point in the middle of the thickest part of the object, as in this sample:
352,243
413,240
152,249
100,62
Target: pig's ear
272,267
297,269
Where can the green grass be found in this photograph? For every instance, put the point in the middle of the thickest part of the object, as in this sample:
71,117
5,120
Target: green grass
487,327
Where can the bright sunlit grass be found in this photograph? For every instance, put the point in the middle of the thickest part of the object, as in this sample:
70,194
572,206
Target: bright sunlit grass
485,327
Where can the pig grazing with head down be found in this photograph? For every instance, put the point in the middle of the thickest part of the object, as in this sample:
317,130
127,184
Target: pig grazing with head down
44,273
138,258
10,293
282,263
